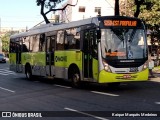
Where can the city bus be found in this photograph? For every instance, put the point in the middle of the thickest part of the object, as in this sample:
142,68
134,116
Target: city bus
103,49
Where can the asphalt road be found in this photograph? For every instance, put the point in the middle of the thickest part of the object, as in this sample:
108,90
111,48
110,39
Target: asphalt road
57,100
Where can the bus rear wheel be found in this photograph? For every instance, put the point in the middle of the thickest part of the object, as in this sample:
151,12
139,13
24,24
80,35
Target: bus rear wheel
28,73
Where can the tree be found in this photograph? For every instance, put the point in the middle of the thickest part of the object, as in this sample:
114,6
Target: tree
138,4
133,7
5,42
47,4
127,8
151,13
50,5
116,7
149,10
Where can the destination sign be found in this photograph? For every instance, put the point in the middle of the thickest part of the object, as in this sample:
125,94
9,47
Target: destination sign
125,23
116,54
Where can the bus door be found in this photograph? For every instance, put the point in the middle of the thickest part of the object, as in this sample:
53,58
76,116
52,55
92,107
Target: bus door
50,47
18,56
90,56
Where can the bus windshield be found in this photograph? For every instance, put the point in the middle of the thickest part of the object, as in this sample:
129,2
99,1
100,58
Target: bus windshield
123,43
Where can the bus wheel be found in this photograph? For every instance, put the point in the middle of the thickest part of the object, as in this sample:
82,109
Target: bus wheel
28,73
76,80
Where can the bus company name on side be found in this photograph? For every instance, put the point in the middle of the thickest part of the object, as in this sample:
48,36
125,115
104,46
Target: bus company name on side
61,58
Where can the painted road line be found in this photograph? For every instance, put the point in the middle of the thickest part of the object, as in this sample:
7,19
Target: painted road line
3,73
62,86
90,115
36,81
103,93
7,73
157,103
4,70
7,89
124,84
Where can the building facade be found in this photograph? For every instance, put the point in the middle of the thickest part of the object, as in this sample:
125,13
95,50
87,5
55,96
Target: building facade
85,9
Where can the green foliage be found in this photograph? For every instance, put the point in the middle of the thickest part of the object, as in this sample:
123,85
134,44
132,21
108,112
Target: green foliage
149,10
48,3
5,42
127,8
151,13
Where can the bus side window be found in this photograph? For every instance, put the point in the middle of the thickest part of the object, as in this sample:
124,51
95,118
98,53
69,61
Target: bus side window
60,40
25,46
72,39
77,38
42,43
35,43
94,46
12,47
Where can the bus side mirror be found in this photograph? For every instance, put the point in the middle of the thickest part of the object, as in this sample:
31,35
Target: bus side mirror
98,34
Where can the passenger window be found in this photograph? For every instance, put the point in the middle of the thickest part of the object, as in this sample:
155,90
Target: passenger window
60,40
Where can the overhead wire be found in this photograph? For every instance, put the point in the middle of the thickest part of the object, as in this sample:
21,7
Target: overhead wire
109,4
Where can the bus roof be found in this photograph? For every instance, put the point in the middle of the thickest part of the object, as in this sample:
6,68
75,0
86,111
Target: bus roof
51,27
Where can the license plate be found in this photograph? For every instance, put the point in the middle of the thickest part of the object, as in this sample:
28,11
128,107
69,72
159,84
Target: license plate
134,69
127,76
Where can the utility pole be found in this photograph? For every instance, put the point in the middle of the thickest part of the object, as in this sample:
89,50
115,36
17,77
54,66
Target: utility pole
116,9
126,7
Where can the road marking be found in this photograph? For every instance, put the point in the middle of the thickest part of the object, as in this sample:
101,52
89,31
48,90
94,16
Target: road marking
124,84
62,86
103,93
7,89
5,69
157,103
6,72
36,81
90,115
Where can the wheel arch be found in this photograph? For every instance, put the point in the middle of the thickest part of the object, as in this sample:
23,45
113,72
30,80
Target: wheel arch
73,67
27,65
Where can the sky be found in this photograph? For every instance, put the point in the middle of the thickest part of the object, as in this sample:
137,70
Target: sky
17,14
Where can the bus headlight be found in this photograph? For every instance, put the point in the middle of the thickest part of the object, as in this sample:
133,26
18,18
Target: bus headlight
106,67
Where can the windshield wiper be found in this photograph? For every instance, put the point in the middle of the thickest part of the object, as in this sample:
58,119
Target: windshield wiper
132,35
117,34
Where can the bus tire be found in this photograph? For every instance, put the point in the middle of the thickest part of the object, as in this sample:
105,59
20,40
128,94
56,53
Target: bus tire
28,73
75,79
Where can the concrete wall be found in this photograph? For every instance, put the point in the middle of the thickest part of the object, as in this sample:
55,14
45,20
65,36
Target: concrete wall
73,14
